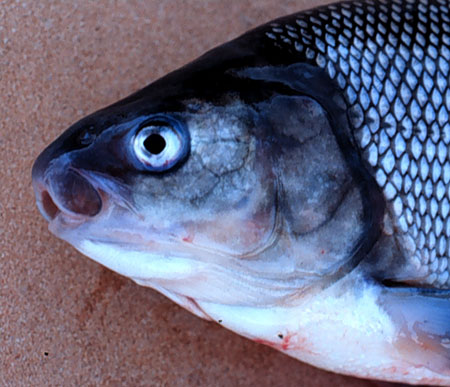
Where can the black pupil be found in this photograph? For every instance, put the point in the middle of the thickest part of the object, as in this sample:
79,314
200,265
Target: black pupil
155,143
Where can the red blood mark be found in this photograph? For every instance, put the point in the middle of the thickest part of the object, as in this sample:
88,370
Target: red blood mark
286,341
395,370
322,252
391,370
291,341
283,344
188,239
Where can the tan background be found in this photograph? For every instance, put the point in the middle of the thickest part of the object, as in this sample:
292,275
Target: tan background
65,320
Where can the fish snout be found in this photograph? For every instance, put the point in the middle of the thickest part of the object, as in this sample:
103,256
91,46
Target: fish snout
61,189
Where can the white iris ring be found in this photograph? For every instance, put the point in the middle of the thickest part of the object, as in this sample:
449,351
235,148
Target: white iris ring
169,154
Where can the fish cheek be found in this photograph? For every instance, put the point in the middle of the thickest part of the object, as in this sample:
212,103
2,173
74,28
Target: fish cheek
320,201
217,198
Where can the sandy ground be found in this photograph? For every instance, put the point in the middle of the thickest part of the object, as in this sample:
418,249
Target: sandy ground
65,320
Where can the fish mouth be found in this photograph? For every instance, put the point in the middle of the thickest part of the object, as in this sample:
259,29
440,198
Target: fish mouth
53,213
68,197
47,207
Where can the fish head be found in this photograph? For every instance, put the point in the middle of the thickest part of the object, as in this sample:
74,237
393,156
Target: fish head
238,186
209,184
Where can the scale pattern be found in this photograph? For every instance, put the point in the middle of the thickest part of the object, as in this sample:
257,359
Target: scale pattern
392,60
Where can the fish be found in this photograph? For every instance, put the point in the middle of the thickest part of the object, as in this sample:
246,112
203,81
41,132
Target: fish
291,185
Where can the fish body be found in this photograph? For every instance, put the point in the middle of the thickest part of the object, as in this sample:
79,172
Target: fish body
292,185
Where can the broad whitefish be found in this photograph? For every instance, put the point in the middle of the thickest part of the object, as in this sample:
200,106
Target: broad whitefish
292,185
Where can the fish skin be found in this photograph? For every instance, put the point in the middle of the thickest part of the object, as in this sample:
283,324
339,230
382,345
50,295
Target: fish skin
290,219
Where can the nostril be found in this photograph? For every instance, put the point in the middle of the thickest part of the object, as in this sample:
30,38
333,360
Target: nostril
49,206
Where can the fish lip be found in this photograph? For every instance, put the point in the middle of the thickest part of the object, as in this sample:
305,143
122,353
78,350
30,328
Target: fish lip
46,204
52,211
63,223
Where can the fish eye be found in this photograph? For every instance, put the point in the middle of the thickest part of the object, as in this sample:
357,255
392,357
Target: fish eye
159,146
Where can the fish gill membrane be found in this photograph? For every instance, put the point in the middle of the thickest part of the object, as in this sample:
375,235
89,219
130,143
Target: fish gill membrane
292,185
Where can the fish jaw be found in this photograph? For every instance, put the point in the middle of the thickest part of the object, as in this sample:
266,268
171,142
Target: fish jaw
188,273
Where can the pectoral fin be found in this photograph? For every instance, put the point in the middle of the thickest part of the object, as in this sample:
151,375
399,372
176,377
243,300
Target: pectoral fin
423,320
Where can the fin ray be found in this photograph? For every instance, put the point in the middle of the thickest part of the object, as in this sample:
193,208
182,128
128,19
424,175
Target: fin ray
423,320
